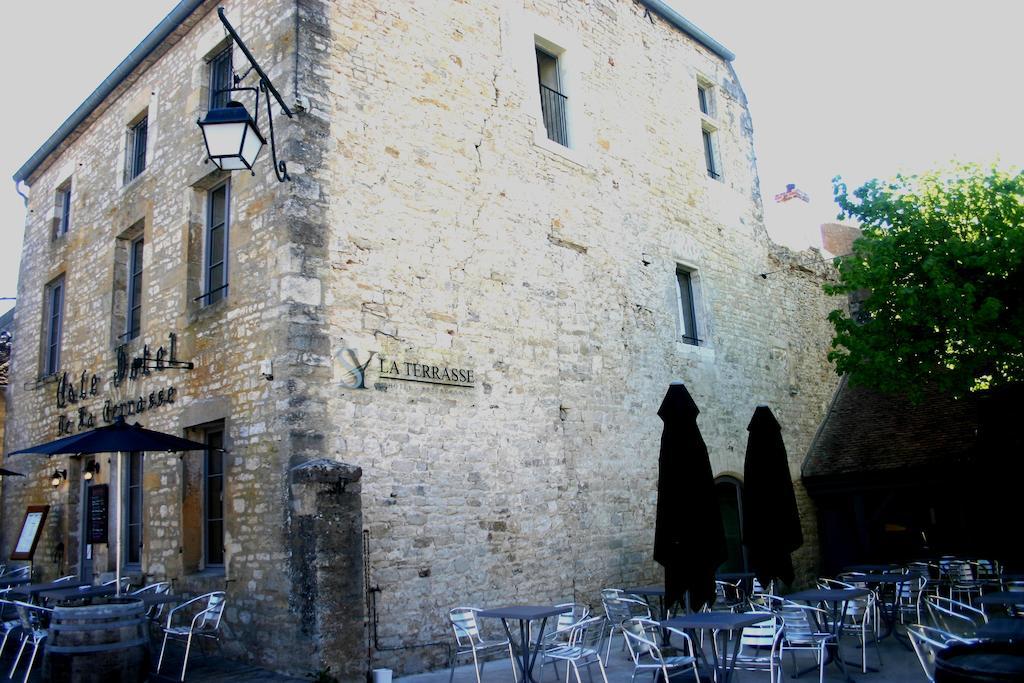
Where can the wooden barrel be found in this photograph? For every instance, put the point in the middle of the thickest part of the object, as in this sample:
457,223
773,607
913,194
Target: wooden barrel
104,641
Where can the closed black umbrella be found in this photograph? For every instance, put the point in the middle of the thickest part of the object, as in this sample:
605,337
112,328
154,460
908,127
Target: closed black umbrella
689,540
4,472
771,523
119,437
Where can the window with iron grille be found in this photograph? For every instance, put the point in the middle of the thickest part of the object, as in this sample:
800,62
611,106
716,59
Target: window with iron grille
53,325
63,221
213,498
687,308
552,101
133,508
136,149
221,79
135,289
217,221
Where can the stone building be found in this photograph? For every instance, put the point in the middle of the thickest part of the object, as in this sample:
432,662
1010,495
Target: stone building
435,356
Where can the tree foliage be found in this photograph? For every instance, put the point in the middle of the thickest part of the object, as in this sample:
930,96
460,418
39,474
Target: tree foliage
937,282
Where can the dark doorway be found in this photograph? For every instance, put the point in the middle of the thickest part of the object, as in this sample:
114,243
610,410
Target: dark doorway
729,491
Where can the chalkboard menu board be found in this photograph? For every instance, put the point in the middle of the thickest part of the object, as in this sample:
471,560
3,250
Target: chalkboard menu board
31,529
97,514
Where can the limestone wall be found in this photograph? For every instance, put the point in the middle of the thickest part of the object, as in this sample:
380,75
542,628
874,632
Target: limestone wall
227,341
430,223
461,238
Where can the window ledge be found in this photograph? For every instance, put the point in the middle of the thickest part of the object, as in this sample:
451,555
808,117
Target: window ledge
203,313
705,353
541,139
135,180
207,573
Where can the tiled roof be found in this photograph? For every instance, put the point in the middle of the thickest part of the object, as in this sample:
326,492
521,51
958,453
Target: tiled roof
866,431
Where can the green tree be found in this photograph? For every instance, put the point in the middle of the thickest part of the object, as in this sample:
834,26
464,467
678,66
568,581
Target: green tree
937,282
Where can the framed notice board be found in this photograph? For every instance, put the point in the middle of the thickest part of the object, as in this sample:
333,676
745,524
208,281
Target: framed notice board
31,530
98,514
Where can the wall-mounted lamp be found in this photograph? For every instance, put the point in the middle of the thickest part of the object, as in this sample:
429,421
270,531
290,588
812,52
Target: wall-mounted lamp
92,468
57,477
233,138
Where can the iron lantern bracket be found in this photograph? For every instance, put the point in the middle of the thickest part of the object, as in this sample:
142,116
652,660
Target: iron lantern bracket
265,86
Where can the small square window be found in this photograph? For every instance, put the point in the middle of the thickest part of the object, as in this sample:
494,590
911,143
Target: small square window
687,306
135,149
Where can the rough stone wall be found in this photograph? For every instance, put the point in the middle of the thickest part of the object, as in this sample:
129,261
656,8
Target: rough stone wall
462,239
227,341
430,221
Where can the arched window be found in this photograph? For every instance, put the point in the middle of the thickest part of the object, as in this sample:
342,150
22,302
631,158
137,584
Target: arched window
730,503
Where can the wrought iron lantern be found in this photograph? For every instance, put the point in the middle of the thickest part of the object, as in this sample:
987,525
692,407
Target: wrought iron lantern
57,477
92,468
232,140
232,136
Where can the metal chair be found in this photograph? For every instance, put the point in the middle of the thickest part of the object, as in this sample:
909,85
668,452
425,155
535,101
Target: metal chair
24,571
620,610
126,583
954,616
860,616
761,647
728,597
160,588
927,641
564,630
583,647
206,611
642,636
9,619
802,631
910,594
33,620
468,641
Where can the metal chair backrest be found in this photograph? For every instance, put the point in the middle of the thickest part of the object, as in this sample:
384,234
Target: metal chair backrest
800,622
575,614
927,641
463,620
19,572
588,633
954,616
622,609
159,588
211,614
642,639
763,633
765,602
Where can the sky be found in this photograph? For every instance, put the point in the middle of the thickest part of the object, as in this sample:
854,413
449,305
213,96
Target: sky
862,90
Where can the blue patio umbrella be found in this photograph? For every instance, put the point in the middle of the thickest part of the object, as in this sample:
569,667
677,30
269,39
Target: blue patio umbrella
119,437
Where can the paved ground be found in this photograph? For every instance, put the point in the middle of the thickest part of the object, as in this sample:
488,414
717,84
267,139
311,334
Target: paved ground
899,665
201,668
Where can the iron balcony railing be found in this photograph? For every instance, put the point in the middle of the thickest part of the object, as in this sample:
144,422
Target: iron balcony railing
552,105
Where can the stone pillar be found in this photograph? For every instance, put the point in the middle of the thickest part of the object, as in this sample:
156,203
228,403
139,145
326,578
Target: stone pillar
328,593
